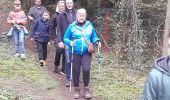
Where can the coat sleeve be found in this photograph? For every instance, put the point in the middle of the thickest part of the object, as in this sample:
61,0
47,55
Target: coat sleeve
59,29
67,36
53,22
30,13
149,92
93,37
10,19
34,28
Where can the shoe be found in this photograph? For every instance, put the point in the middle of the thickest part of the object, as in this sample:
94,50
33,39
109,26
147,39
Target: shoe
16,55
41,63
62,73
77,93
86,93
56,70
67,83
23,56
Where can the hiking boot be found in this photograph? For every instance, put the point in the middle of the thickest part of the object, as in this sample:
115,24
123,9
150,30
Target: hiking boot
23,56
77,93
41,63
16,55
86,93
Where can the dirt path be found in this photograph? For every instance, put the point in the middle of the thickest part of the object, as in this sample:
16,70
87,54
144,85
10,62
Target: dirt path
61,92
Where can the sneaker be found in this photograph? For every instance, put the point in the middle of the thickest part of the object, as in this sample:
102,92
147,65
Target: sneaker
56,70
16,55
62,73
67,83
87,94
77,93
23,56
41,63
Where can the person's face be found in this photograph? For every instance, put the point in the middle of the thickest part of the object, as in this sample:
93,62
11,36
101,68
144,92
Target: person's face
17,7
38,2
61,7
69,4
81,17
46,16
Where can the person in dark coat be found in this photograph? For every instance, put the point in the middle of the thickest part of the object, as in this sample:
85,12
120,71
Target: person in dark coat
53,23
40,34
157,85
63,21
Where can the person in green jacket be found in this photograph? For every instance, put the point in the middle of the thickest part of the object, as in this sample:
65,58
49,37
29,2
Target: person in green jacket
157,85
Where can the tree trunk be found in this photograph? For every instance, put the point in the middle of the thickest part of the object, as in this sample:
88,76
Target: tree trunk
166,31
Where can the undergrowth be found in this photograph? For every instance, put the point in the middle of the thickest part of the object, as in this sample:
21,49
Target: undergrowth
112,81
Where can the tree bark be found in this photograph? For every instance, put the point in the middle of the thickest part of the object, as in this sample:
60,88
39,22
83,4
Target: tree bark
166,31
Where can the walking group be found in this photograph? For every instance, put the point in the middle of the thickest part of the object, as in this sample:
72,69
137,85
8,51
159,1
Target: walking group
73,36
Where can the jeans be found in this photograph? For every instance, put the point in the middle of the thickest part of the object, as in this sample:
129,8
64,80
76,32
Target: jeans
42,50
18,36
67,63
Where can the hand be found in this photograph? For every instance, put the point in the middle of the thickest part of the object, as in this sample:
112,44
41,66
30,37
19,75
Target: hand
61,45
99,44
49,43
72,43
31,18
32,39
18,21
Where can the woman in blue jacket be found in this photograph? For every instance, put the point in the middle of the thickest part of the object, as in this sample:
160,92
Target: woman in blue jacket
82,31
40,33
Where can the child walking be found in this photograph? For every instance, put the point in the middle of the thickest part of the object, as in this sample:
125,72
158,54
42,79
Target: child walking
40,34
18,20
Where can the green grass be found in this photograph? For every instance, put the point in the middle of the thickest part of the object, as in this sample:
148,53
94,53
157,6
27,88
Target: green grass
26,71
111,81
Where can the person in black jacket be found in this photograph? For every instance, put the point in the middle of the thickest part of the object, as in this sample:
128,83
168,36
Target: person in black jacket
53,24
63,21
40,34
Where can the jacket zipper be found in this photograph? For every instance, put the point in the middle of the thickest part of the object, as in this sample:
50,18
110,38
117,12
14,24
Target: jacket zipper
82,45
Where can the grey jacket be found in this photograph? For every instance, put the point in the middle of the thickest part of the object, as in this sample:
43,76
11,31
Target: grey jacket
157,85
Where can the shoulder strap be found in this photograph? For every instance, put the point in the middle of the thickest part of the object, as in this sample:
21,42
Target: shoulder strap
83,37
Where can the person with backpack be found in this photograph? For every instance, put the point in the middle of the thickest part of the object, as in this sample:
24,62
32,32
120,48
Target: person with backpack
36,12
63,21
53,23
78,36
18,20
40,34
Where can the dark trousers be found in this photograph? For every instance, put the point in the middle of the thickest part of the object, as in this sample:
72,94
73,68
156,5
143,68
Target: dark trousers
84,61
59,52
42,50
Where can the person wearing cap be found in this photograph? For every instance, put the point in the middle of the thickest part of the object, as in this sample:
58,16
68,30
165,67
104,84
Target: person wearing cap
18,20
82,31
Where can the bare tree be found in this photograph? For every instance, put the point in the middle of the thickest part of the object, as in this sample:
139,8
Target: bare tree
166,31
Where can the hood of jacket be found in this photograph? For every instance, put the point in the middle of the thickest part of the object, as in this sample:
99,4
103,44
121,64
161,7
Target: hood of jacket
163,65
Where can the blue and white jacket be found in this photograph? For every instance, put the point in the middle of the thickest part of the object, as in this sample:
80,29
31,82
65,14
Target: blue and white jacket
74,32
